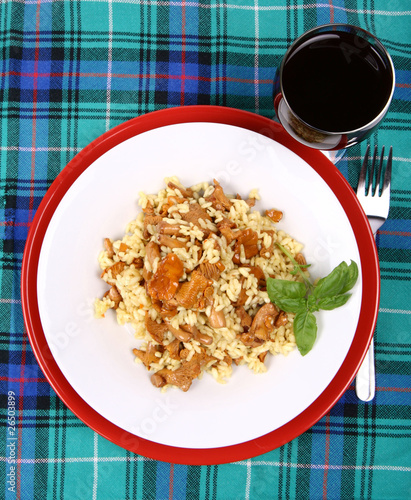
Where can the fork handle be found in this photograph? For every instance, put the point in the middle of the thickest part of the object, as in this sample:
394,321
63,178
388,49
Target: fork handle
365,379
375,223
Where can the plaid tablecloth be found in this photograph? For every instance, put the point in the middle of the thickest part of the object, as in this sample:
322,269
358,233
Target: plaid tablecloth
73,69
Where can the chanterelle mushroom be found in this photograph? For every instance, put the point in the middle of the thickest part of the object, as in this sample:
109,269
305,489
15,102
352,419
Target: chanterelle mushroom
248,239
182,377
218,198
165,281
188,292
263,322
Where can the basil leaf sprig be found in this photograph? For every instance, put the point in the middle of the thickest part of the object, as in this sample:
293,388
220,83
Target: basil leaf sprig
305,298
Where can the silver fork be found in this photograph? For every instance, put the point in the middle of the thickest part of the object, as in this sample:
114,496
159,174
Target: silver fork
373,192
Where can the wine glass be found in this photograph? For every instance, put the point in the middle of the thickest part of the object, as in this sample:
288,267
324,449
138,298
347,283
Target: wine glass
333,87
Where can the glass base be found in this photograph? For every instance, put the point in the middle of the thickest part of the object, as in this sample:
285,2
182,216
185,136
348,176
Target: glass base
334,156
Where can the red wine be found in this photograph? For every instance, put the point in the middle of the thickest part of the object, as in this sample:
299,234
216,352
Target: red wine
336,82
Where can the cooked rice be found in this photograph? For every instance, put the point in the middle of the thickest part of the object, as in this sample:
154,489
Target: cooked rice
136,302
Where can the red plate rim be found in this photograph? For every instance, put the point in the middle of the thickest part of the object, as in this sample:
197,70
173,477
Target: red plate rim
369,268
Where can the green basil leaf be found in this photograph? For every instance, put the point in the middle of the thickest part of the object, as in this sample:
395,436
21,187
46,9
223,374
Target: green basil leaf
287,295
290,289
333,283
351,277
341,279
305,331
290,305
329,303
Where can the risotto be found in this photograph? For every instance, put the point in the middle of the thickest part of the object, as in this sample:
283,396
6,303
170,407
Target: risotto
190,275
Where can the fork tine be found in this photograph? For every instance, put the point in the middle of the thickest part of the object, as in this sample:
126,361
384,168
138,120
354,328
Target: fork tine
388,170
371,173
363,172
377,182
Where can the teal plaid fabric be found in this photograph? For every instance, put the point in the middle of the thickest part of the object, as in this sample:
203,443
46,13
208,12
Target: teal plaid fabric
72,69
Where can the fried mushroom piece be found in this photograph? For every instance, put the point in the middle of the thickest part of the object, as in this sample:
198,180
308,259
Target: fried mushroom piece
108,246
149,355
182,377
150,220
168,309
274,215
148,209
114,295
155,329
115,269
165,281
170,242
189,291
211,271
249,340
259,274
267,252
168,228
217,318
248,239
262,356
218,199
138,262
245,318
263,322
194,214
174,348
201,337
242,296
152,253
185,192
226,228
282,319
179,333
301,259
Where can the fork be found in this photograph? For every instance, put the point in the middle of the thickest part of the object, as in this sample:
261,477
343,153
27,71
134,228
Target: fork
373,192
